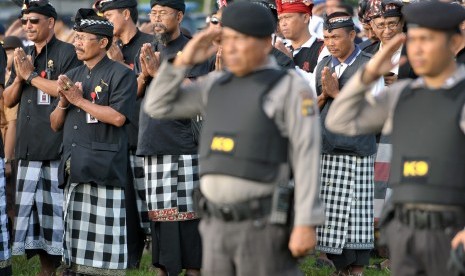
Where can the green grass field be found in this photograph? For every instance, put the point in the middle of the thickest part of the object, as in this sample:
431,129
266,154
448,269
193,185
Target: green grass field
24,267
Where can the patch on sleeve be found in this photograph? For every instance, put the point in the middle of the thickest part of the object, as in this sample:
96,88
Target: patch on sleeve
307,106
415,170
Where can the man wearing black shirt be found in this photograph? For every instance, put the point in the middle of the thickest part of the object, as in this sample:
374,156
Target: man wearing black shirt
39,223
96,101
170,154
128,41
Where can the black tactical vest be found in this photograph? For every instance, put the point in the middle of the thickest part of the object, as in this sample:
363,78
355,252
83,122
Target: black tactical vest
238,138
428,160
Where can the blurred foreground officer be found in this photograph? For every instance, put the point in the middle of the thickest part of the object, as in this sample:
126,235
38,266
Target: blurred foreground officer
427,171
245,156
39,201
96,100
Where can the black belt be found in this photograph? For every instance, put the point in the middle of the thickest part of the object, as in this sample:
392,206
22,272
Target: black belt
425,218
251,209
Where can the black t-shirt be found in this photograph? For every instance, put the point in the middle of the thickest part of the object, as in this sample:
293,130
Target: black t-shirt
35,139
98,151
169,136
130,53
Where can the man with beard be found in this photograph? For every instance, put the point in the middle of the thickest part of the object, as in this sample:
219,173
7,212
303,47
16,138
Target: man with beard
127,42
346,162
96,101
426,208
39,223
170,154
246,155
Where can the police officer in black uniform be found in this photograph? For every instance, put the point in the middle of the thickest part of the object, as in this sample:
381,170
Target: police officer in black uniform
128,40
426,120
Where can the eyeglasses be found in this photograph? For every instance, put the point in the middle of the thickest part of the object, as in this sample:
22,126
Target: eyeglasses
160,14
33,20
80,38
391,25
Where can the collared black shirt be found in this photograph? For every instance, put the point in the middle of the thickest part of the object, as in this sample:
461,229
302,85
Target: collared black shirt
130,53
98,151
169,136
35,139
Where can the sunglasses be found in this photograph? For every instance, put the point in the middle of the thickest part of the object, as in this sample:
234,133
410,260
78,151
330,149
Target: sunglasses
214,20
33,20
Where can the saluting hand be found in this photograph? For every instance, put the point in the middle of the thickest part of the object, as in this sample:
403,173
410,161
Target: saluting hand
23,64
114,53
199,48
329,83
149,60
71,92
302,240
380,64
219,60
458,239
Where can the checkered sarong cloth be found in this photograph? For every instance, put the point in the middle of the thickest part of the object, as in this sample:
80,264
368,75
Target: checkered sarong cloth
39,205
5,253
95,229
170,181
138,174
347,191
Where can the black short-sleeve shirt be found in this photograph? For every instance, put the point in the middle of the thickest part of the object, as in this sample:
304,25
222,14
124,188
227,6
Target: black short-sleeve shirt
35,139
99,151
169,136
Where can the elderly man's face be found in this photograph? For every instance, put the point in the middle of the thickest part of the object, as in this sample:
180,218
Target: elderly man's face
165,21
386,28
37,26
243,54
88,46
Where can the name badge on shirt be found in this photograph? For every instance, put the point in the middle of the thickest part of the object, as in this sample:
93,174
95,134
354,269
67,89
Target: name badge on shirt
42,98
91,119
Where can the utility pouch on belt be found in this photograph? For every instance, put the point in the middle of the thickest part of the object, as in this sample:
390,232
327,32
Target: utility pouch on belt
282,202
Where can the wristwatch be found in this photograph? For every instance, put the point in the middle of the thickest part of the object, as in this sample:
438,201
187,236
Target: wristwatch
31,76
6,160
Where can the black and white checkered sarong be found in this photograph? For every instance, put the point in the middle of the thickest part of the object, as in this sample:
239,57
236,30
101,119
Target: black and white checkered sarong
95,229
138,174
39,204
347,185
170,181
5,253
